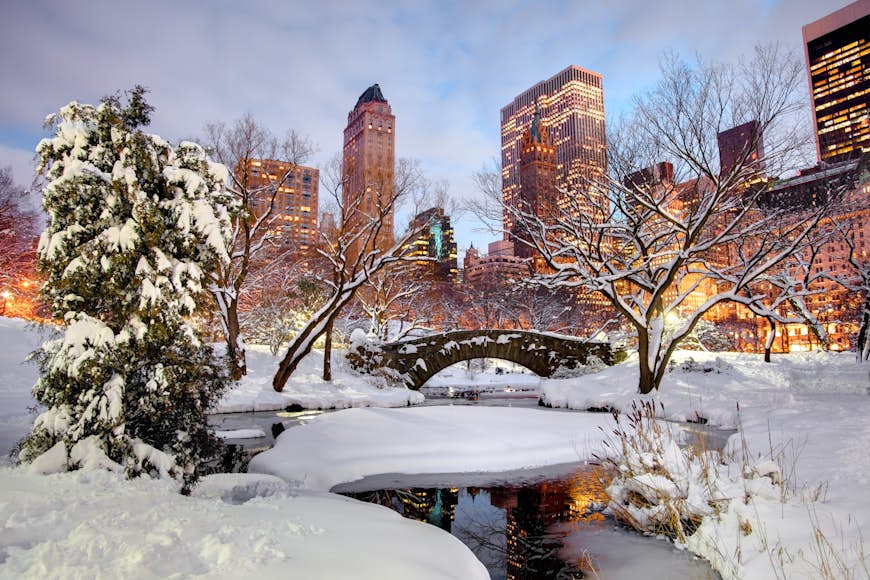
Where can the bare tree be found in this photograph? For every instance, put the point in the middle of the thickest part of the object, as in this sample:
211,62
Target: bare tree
280,297
686,243
783,294
795,291
487,180
489,303
545,309
858,278
355,253
388,297
238,146
17,243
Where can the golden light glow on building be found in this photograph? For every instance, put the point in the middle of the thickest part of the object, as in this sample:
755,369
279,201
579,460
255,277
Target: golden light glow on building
571,105
296,190
368,165
837,50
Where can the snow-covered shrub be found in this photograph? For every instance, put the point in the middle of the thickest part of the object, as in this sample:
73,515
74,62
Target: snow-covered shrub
134,226
657,486
660,487
690,365
593,365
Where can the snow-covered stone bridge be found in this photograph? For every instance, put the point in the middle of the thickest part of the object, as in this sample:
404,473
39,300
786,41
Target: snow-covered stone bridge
416,361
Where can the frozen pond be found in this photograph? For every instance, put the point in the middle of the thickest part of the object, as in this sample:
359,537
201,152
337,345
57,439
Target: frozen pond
523,524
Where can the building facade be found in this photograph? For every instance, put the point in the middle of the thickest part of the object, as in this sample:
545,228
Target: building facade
436,246
837,51
571,105
741,146
500,265
834,305
294,207
368,165
537,194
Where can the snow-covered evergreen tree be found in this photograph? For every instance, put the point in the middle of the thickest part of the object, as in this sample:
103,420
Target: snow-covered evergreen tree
134,227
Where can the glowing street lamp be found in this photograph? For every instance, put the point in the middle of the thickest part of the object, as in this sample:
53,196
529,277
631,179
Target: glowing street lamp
6,295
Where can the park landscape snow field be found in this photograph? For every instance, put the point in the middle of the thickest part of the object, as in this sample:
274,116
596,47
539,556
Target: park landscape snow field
97,524
807,411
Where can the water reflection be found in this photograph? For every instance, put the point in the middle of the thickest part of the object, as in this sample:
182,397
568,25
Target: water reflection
537,530
508,527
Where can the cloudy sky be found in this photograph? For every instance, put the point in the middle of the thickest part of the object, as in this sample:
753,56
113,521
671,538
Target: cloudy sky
446,67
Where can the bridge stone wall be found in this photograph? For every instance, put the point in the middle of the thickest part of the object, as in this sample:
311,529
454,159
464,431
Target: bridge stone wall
415,361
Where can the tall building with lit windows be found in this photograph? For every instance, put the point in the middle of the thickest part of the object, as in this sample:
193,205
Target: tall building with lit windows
368,165
296,190
435,246
571,105
837,49
537,194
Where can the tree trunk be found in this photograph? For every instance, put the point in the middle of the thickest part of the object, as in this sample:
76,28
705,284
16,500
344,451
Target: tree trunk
768,344
235,346
304,340
647,380
862,331
327,353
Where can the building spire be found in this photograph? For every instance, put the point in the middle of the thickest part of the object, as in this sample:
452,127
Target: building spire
373,93
535,128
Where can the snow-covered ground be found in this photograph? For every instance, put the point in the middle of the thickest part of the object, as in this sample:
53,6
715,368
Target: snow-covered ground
98,525
254,392
17,339
350,445
307,388
810,411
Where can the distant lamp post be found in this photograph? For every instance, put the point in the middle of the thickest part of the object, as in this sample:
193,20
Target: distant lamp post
7,297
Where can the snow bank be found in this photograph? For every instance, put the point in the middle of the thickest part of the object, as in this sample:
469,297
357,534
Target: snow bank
349,445
18,338
241,434
710,385
307,388
806,411
87,524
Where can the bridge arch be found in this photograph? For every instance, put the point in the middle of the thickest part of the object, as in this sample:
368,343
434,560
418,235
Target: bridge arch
415,361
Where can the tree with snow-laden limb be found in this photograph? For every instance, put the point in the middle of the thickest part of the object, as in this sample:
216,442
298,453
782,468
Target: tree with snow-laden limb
134,227
678,225
246,146
353,255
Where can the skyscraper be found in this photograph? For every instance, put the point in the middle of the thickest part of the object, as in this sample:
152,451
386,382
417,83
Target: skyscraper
537,193
369,162
837,49
435,243
741,146
571,104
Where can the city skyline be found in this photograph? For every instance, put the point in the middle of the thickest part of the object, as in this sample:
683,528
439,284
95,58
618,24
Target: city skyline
447,69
